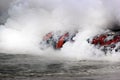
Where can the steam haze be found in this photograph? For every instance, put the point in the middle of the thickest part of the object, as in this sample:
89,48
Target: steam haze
27,21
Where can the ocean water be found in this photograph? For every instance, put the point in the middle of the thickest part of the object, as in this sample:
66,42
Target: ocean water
29,67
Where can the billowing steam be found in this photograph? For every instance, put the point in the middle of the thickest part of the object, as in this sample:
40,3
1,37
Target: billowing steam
28,20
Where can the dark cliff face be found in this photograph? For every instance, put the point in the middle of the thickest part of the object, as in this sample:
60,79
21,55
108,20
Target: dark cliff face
115,27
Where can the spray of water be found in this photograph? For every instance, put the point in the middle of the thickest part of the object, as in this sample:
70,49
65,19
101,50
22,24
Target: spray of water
29,20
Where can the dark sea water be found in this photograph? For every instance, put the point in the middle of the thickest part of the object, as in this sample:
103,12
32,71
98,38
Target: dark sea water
27,67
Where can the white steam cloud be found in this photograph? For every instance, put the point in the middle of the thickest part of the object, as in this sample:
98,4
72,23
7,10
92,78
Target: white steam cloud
29,20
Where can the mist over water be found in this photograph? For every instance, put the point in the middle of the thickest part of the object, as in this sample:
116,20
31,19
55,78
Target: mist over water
29,20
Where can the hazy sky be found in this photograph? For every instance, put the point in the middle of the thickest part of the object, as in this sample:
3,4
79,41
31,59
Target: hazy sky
4,5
